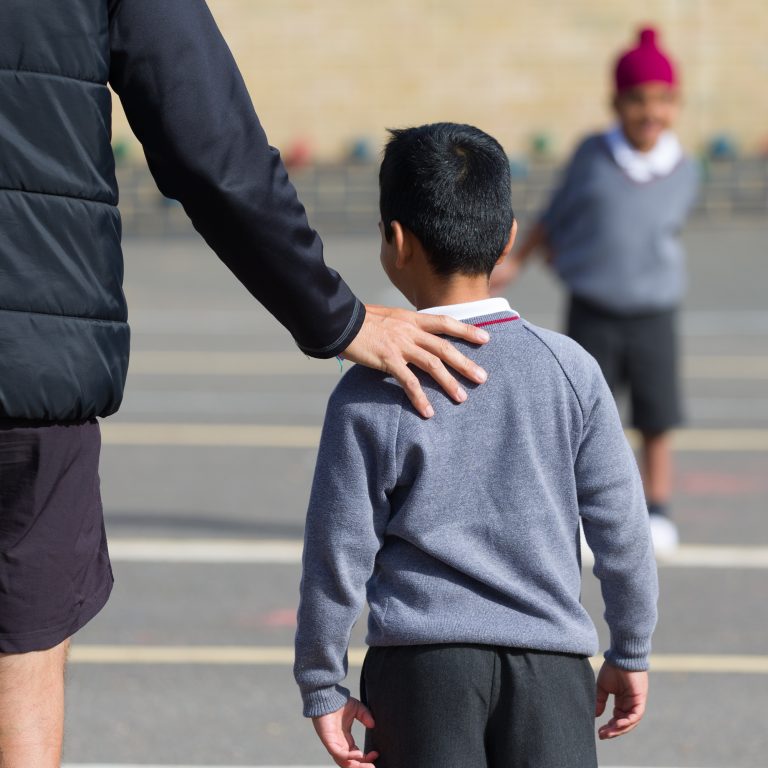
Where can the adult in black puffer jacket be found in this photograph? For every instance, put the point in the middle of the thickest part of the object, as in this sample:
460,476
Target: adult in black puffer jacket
64,338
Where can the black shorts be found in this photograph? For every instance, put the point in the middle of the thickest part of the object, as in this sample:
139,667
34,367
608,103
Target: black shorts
475,706
638,351
55,573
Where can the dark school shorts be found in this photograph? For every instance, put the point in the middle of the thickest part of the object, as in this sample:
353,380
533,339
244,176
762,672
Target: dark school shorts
637,351
55,573
475,706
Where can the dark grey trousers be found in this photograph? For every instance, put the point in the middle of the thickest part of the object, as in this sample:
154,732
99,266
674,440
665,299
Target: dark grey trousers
475,706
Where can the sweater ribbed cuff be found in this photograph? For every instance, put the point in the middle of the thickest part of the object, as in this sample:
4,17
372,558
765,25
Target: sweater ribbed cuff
630,653
324,700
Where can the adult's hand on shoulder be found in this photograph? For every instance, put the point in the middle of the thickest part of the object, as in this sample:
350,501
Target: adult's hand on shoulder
390,339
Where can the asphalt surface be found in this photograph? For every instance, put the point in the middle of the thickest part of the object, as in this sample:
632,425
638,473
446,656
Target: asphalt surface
205,477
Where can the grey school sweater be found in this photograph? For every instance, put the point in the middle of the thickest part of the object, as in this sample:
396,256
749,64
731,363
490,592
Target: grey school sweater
616,242
465,528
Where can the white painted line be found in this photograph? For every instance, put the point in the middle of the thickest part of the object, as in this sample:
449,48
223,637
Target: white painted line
229,655
205,550
292,436
288,551
188,654
210,435
694,556
215,363
701,556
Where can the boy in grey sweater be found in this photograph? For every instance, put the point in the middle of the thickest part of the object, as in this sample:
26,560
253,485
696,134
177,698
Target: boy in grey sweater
462,532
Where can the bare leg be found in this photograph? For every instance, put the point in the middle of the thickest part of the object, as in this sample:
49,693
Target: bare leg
657,467
32,708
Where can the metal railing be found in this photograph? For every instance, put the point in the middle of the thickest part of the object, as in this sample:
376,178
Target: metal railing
344,197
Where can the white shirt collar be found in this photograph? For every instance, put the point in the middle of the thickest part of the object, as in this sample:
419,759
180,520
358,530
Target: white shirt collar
469,309
644,166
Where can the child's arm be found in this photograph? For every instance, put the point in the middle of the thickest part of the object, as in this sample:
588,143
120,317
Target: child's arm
347,513
615,518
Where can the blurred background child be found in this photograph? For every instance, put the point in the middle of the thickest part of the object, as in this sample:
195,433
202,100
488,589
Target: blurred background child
611,233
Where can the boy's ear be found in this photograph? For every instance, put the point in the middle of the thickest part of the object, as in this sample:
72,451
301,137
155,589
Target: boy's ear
401,240
510,242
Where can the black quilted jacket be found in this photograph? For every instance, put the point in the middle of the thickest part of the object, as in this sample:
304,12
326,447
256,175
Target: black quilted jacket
64,337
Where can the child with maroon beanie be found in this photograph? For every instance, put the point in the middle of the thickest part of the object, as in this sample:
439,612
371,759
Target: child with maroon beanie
611,232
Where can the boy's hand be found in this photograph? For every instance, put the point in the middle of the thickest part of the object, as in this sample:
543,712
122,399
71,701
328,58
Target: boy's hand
335,731
630,693
390,339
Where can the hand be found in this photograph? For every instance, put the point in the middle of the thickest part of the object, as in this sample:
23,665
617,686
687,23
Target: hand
630,693
392,338
335,731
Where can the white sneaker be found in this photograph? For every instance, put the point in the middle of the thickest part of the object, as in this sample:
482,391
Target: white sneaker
664,534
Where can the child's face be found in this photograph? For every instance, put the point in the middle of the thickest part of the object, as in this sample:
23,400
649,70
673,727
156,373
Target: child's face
645,112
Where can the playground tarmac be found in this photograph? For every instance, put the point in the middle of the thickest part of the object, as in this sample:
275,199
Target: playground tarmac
205,477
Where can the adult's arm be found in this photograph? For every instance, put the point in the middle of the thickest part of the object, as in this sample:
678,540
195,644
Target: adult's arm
186,102
188,105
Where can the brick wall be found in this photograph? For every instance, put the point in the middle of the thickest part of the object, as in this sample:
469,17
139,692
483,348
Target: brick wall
331,71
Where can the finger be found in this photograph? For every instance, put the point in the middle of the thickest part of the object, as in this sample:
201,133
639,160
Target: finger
433,366
618,726
354,750
363,714
353,758
357,758
357,764
600,701
448,354
340,756
413,390
448,326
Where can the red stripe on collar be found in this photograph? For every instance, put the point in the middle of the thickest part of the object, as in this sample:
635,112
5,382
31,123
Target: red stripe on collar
495,322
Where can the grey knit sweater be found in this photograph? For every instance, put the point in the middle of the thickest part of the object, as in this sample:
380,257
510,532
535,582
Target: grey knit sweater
465,527
616,242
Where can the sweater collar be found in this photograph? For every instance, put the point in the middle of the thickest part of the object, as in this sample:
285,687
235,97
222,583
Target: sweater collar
644,166
472,309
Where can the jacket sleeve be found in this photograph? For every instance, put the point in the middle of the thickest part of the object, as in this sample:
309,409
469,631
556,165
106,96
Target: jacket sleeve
347,516
615,519
187,104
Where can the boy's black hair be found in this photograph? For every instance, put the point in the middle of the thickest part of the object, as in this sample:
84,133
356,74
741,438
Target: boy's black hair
449,184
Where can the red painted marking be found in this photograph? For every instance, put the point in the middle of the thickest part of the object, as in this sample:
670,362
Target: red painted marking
723,483
280,618
495,322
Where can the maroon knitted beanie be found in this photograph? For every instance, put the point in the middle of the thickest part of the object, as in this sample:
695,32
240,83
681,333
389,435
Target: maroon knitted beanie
646,63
